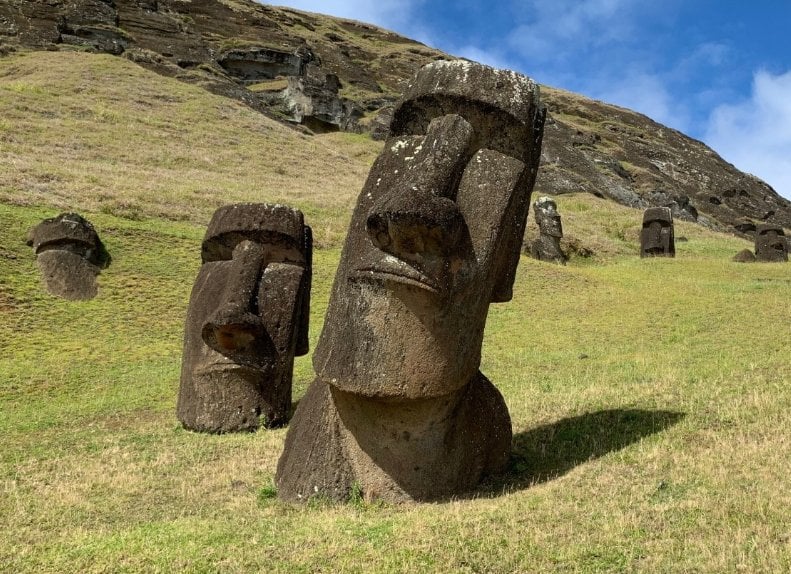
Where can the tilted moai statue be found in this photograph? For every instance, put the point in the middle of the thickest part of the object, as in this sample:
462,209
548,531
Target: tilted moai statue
547,246
771,243
656,237
398,407
247,319
69,255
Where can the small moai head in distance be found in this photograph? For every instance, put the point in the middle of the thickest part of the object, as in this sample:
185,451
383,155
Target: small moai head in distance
435,235
771,244
547,217
247,319
69,255
656,236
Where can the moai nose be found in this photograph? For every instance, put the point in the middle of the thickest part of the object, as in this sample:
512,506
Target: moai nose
422,217
235,325
423,224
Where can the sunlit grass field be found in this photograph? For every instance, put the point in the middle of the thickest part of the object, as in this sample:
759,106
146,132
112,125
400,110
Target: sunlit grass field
650,399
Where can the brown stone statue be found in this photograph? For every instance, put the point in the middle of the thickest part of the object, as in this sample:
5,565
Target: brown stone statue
770,243
69,255
398,408
547,246
656,237
247,319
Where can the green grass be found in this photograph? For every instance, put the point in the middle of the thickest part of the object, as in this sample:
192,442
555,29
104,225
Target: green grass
650,399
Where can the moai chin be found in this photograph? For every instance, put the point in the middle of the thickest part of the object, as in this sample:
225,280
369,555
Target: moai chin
398,407
69,255
247,319
771,243
656,237
547,246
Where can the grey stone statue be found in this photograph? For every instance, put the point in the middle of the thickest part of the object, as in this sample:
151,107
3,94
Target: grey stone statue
656,237
69,255
547,246
771,243
247,319
398,407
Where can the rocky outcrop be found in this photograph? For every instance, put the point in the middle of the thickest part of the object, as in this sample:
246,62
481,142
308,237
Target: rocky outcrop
336,74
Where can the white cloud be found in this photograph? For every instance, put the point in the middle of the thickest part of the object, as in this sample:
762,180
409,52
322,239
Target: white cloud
755,134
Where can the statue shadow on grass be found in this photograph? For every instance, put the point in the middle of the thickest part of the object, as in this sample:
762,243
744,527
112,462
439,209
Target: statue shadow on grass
550,451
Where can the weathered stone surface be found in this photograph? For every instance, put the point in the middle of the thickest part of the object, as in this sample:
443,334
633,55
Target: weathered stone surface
770,243
247,319
312,99
744,256
69,255
255,64
398,406
656,236
547,246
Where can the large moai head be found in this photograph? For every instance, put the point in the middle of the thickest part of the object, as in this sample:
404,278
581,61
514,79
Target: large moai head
435,236
69,255
399,407
656,237
247,319
547,246
770,243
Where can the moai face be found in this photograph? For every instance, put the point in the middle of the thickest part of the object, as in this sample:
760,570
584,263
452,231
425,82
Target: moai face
770,243
247,319
435,235
656,237
547,217
69,255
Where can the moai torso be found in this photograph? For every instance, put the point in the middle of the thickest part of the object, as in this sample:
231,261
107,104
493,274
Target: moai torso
656,237
398,406
69,255
547,246
247,319
770,243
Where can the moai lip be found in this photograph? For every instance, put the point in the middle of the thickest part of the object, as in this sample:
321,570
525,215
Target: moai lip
247,319
547,246
398,407
69,255
771,244
656,236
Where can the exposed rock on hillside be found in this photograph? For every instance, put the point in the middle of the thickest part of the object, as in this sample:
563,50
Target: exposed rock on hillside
335,74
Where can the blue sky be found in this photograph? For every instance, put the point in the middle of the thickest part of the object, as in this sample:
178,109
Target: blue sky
719,71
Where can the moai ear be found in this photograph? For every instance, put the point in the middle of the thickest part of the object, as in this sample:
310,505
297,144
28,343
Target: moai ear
303,324
494,202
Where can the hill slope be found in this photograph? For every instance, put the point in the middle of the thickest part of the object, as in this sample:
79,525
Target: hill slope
328,73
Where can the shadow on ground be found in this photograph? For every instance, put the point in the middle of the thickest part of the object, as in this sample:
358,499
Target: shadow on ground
549,451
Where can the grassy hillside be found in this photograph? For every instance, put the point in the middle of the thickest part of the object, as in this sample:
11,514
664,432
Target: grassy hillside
650,399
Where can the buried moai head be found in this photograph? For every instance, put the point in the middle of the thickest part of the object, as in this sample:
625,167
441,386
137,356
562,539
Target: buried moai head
69,255
435,235
771,244
247,319
656,237
547,246
434,239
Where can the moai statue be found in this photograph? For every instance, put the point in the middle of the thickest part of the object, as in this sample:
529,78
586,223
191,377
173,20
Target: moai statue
770,243
247,319
656,237
69,255
547,246
398,407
